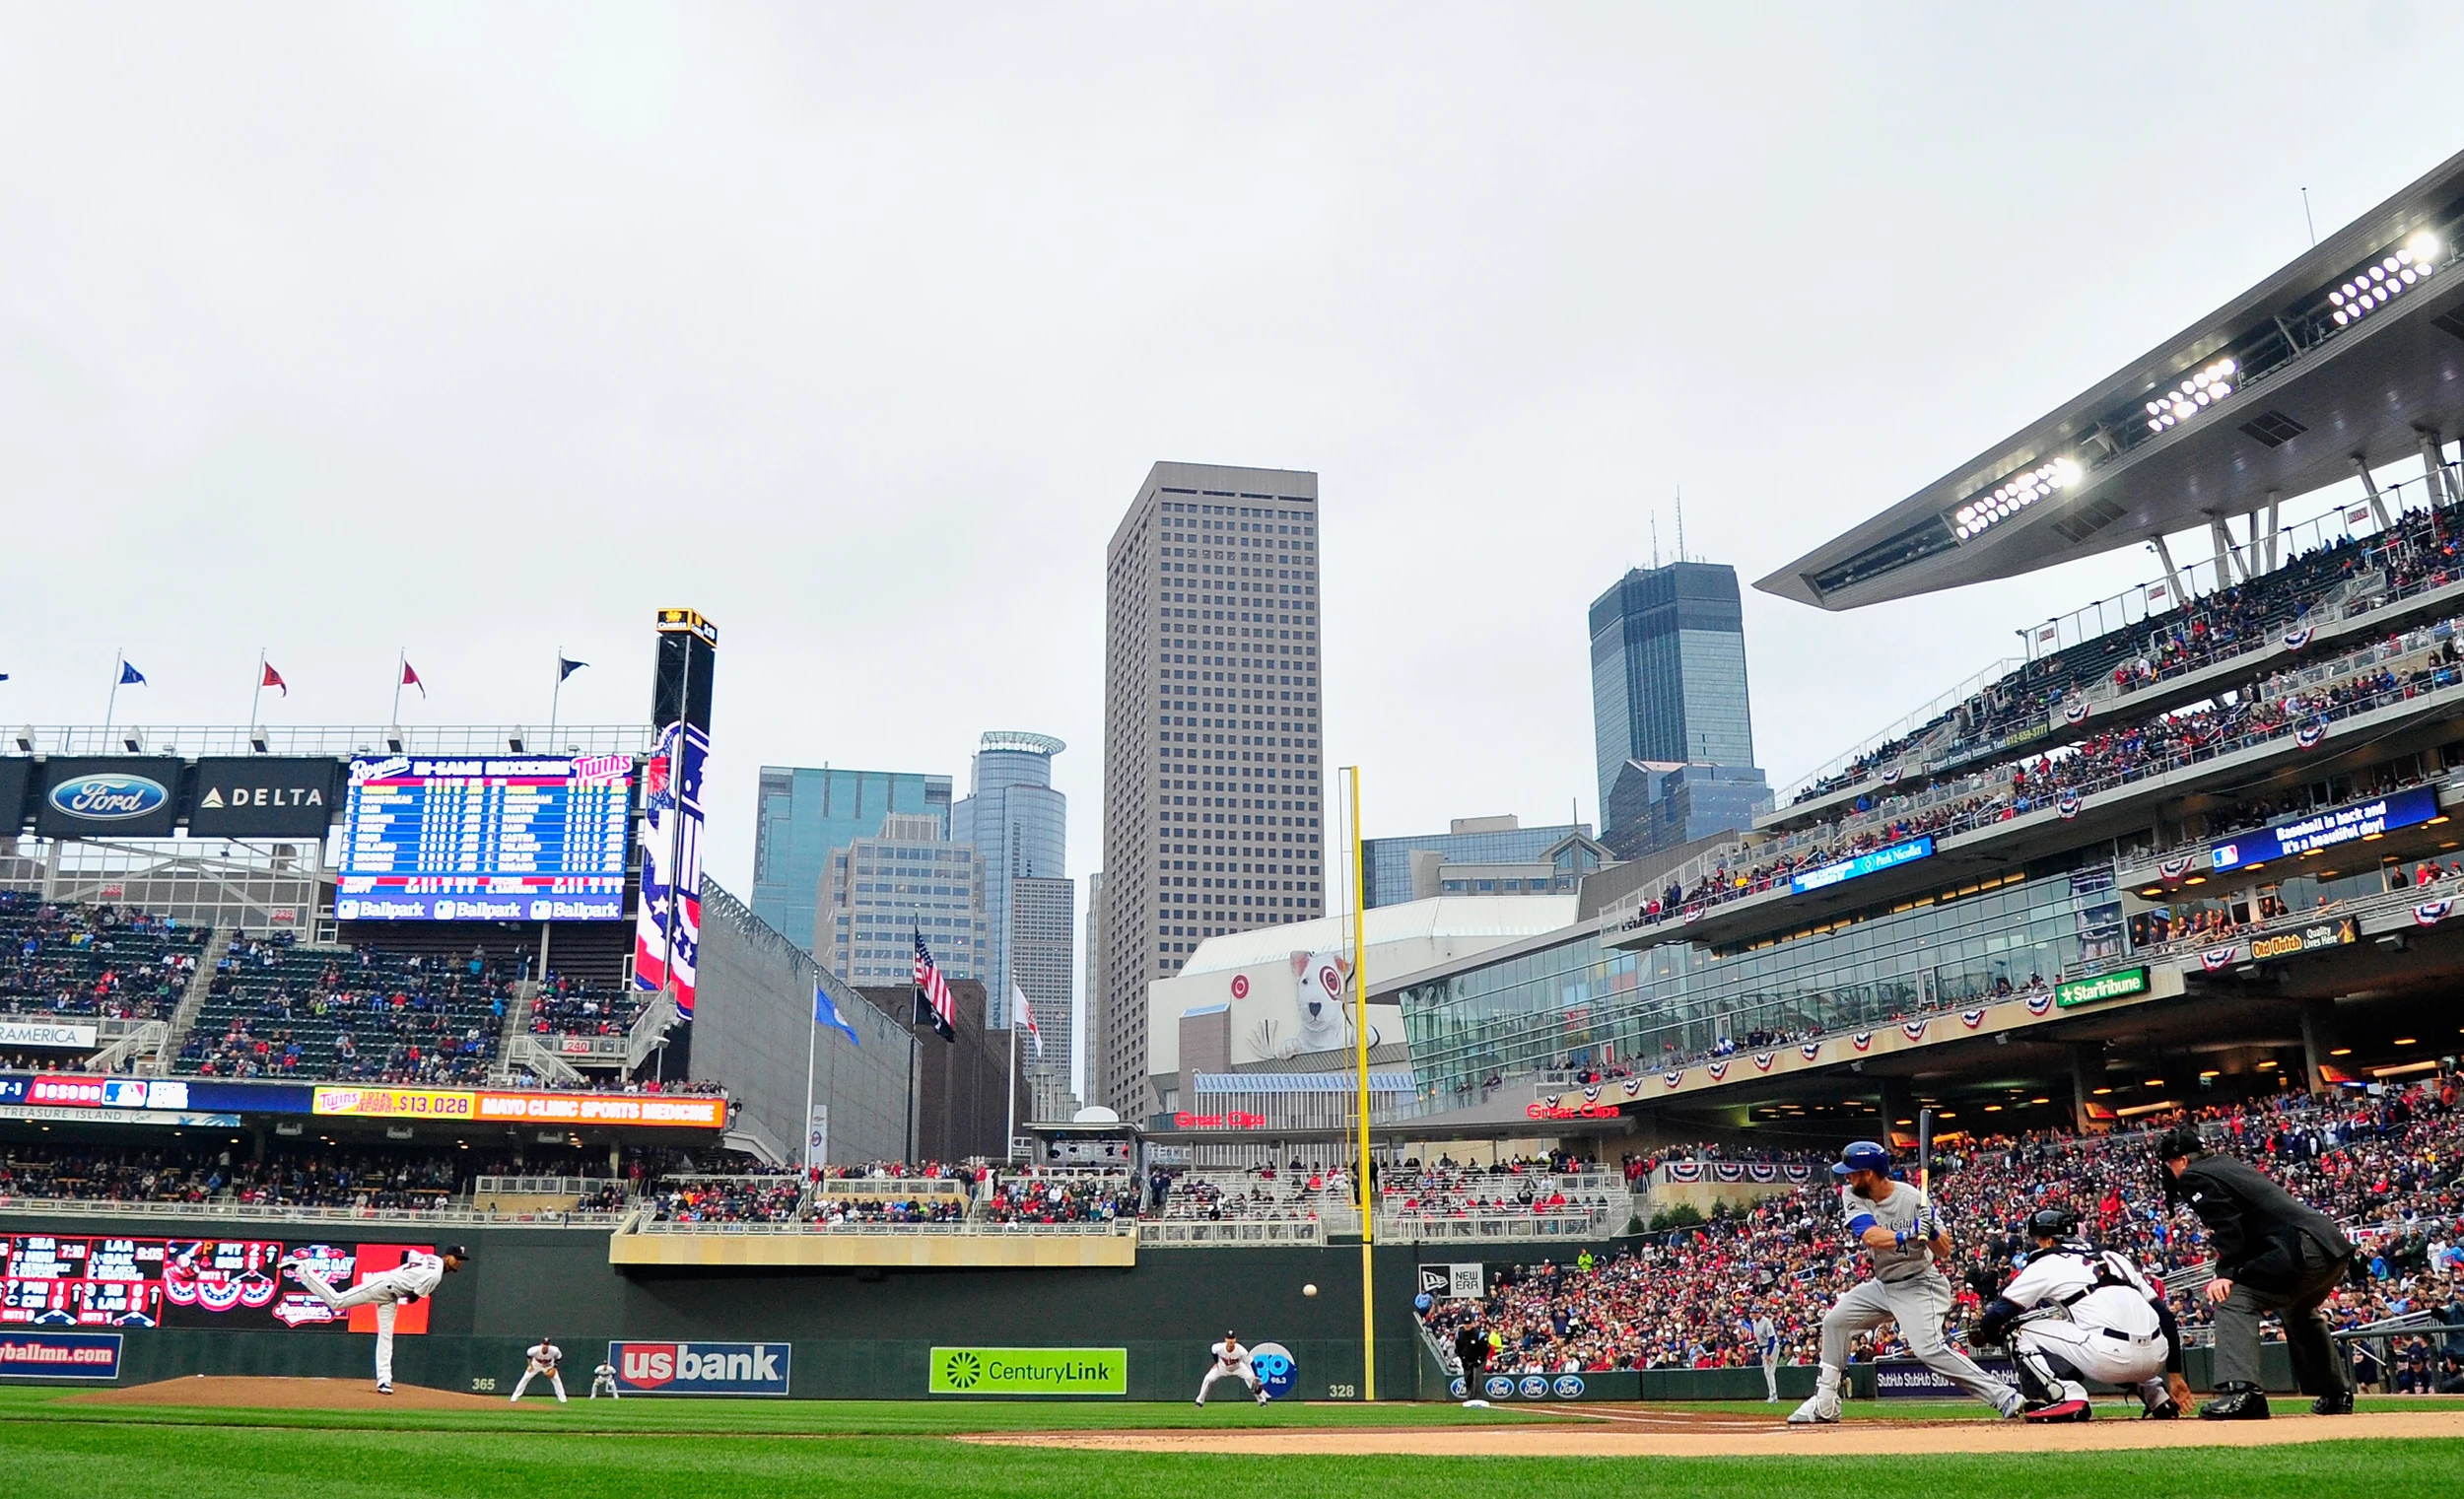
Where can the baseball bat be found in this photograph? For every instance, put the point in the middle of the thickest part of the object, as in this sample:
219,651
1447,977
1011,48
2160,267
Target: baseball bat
1925,1157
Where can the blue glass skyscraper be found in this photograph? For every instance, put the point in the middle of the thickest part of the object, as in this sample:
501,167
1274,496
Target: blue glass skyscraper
1015,818
1669,673
806,815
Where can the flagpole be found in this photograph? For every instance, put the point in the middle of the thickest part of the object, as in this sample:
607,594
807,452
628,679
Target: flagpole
257,696
812,1045
119,667
1010,1138
1360,1035
555,697
401,659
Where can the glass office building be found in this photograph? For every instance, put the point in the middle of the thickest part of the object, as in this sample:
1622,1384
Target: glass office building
1386,861
1015,818
883,892
1669,672
1572,1001
806,815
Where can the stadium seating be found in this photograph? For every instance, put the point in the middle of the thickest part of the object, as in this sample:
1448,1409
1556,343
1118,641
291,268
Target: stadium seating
100,961
277,1010
2387,1166
571,1007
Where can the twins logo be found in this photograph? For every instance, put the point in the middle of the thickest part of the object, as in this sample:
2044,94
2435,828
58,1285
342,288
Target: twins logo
1276,1368
108,797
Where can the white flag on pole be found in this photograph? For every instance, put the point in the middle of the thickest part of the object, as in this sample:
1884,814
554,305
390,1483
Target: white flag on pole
1021,1009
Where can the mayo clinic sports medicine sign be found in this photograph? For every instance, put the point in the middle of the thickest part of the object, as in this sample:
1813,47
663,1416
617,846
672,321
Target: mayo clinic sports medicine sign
1029,1370
2326,830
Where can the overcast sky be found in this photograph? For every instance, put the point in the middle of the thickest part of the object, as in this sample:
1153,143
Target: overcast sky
485,331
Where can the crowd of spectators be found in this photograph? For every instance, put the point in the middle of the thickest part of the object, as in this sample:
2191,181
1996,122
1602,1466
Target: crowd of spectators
1039,1196
2387,1166
277,1010
2418,554
105,962
570,1006
329,1176
747,1198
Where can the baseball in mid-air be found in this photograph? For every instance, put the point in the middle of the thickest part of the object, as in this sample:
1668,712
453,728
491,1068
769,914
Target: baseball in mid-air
1310,1289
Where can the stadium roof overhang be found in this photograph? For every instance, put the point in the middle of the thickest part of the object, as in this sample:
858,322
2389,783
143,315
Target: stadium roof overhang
2314,373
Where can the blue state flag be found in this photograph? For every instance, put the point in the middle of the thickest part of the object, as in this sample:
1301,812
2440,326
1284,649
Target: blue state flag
130,676
826,1012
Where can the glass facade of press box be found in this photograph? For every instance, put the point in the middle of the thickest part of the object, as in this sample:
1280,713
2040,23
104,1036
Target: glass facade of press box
1669,670
1388,861
805,815
1577,1003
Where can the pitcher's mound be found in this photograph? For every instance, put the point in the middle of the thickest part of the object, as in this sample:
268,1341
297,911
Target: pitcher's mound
253,1392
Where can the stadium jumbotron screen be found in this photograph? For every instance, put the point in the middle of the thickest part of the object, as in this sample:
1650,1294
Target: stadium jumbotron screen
528,837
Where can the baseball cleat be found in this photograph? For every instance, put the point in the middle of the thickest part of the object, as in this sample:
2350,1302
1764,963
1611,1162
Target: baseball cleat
2060,1410
2165,1410
385,1390
1820,1410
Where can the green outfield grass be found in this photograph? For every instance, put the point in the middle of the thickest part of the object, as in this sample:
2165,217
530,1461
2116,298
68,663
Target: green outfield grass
721,1449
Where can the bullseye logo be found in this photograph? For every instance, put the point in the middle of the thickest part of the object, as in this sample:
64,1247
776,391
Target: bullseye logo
1240,985
1534,1387
1275,1369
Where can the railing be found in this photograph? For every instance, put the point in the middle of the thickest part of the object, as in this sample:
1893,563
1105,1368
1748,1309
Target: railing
333,739
878,1187
1203,1233
971,1228
650,1028
544,1187
275,1212
1438,1228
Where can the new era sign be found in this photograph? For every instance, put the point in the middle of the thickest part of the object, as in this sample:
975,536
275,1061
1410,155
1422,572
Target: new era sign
700,1368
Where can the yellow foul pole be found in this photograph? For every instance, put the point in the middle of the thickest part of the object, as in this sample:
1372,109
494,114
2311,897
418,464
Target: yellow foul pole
1360,1035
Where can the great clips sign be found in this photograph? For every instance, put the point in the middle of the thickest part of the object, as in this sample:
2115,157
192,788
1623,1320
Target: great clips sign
700,1368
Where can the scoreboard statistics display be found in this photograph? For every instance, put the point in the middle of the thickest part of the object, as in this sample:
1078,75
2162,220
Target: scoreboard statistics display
51,1280
522,838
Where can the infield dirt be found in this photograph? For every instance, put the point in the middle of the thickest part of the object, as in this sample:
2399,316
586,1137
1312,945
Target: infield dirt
1639,1431
256,1394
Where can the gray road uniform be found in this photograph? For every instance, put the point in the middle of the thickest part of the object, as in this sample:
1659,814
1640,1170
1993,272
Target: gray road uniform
1905,1289
2085,1312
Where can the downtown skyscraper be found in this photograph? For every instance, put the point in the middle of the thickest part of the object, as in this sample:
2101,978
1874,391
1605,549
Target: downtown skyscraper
1213,776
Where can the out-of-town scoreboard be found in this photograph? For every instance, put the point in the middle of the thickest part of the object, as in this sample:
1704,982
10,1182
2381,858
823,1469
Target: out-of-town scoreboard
523,838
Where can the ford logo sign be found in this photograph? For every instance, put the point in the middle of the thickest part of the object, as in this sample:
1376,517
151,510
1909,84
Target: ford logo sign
1459,1389
1534,1387
109,798
1499,1388
1568,1388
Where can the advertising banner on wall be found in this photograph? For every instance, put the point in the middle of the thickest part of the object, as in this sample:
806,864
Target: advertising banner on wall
265,797
456,1105
700,1368
108,796
17,1032
17,778
50,1357
1029,1370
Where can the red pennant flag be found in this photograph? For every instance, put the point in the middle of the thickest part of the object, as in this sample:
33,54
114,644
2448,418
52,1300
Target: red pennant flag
410,678
273,679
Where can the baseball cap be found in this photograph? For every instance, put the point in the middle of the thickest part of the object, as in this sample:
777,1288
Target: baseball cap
2179,1141
1865,1155
458,1250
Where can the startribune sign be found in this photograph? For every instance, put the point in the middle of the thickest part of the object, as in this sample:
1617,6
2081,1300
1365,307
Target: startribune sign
2130,981
1030,1370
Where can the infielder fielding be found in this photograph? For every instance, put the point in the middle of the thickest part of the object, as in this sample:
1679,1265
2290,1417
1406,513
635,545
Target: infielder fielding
1766,1336
604,1378
2076,1312
541,1357
388,1291
1230,1361
1904,1241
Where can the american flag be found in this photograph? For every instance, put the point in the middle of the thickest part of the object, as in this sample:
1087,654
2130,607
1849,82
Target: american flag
934,989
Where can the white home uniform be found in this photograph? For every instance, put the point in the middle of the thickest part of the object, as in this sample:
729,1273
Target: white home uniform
1230,1361
415,1277
604,1378
2090,1310
1766,1336
1906,1289
543,1357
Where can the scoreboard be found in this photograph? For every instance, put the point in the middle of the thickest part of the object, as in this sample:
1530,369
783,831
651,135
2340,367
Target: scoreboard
529,838
50,1280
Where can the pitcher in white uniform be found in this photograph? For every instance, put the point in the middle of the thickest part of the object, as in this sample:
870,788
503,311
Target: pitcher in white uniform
2075,1312
388,1291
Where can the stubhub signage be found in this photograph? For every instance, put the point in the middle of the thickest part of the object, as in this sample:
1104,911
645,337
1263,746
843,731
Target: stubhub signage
700,1368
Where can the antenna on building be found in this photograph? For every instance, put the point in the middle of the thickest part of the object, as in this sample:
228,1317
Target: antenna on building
1655,538
1681,522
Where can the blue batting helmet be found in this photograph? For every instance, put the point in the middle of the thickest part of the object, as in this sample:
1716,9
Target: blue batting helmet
1865,1155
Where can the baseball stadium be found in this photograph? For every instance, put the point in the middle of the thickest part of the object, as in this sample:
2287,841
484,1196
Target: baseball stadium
404,1111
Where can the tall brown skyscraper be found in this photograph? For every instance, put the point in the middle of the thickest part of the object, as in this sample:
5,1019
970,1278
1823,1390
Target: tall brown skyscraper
1212,770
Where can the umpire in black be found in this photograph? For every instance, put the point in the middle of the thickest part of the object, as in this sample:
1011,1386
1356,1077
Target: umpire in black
2274,1252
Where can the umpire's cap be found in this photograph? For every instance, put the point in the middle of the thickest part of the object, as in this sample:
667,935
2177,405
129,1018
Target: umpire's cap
2179,1141
1865,1155
2053,1223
